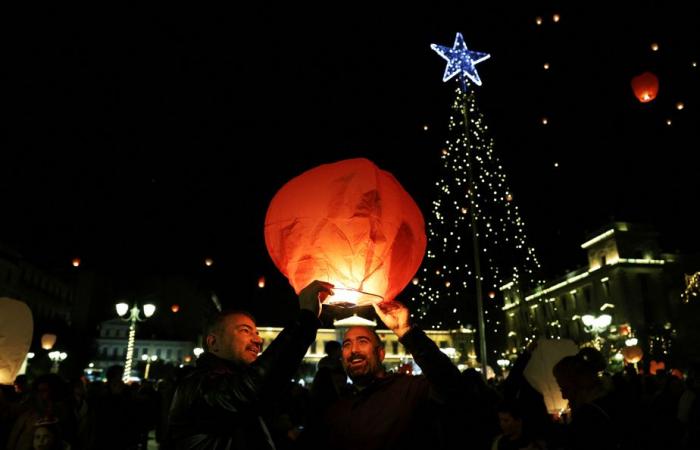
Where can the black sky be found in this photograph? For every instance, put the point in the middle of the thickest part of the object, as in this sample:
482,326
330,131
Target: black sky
144,139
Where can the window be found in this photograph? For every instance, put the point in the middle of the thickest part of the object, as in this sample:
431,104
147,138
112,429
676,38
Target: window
443,344
169,353
395,347
159,353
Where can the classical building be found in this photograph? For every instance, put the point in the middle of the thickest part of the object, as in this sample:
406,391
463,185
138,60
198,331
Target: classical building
627,278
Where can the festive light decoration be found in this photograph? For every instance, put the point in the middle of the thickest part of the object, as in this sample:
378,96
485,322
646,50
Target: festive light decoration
473,218
460,60
348,223
16,327
692,286
261,282
208,262
645,87
175,308
76,262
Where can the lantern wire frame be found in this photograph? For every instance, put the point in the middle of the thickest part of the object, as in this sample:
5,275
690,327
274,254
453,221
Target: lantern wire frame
351,298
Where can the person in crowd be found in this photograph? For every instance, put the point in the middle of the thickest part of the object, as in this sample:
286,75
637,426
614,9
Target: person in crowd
384,410
220,404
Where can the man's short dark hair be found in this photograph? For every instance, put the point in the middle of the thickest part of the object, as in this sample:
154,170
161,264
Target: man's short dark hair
217,322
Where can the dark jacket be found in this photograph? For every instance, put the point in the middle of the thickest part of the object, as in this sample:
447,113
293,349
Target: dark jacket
219,405
397,411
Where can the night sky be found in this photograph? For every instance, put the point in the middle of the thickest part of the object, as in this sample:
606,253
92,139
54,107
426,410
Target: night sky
144,140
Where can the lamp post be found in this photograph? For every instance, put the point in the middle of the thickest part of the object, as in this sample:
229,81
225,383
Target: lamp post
132,316
596,325
56,357
148,359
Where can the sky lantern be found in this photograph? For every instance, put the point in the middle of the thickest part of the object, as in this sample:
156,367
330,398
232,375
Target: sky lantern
348,223
48,340
16,327
633,354
645,87
538,371
175,308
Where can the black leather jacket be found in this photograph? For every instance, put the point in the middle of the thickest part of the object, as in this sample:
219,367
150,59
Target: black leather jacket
218,406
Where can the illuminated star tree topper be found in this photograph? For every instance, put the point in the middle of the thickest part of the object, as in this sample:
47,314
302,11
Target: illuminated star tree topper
460,60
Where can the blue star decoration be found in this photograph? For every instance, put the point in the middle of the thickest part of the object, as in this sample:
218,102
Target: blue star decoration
460,60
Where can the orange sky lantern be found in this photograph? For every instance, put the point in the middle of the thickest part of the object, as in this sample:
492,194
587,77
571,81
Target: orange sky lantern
645,87
175,308
348,223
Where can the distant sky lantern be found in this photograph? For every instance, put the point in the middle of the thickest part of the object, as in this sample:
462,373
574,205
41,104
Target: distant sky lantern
76,262
645,87
348,223
545,121
556,18
633,354
680,106
546,66
261,282
492,294
48,340
509,198
538,20
654,47
175,308
208,262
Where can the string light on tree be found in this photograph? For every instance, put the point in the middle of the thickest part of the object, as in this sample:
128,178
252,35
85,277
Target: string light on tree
473,219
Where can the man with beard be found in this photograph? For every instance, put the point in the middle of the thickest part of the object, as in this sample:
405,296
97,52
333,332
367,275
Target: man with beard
219,405
384,410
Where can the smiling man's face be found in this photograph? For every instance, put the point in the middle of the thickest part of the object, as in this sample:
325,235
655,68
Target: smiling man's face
239,341
362,355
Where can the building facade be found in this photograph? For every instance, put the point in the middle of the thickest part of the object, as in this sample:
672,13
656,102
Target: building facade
627,278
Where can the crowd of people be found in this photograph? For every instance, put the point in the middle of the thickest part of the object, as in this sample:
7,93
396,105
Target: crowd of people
241,397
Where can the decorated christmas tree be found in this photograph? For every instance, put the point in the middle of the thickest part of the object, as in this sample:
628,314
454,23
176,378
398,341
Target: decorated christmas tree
476,237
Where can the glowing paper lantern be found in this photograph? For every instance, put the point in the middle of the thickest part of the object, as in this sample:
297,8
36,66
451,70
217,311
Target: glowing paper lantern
538,371
645,87
16,326
348,223
656,366
633,354
48,340
175,308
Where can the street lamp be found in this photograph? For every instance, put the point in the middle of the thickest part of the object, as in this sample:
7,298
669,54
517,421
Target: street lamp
57,357
132,316
596,325
148,360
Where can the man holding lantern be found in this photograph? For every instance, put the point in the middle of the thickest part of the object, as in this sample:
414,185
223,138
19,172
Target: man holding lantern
219,405
389,410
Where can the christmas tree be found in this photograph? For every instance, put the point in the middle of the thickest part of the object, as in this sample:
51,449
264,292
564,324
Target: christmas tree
474,228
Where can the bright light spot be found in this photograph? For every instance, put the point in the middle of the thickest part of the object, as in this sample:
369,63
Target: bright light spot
261,282
545,121
680,106
447,284
208,262
668,122
538,20
556,18
556,164
655,47
415,281
546,66
425,127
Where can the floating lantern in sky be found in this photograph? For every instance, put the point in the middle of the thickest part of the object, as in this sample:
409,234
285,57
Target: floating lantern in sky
175,308
645,87
261,282
538,371
348,223
76,262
